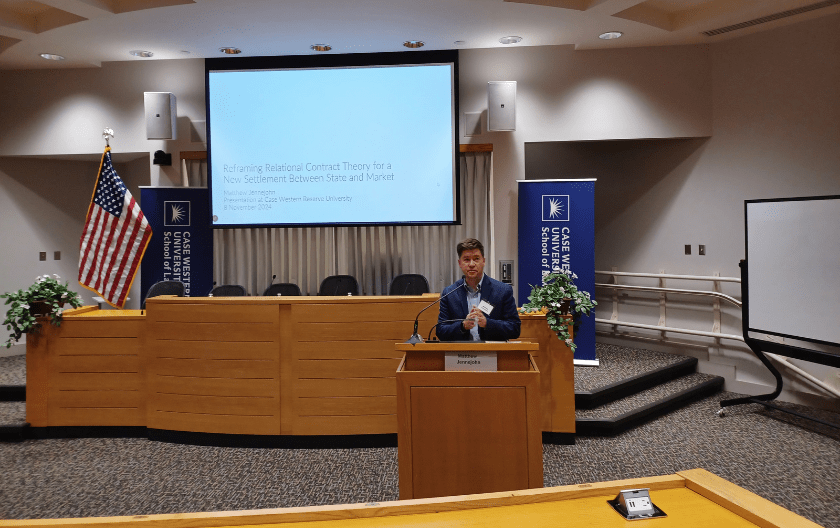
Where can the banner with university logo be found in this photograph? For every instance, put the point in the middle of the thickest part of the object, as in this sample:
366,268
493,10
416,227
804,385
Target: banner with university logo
182,248
557,231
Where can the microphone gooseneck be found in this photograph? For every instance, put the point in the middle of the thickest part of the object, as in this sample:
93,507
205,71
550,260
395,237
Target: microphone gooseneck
415,337
272,281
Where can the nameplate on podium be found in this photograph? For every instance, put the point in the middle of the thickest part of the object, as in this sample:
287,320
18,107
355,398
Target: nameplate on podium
471,360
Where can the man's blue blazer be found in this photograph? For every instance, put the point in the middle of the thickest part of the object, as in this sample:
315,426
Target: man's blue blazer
502,323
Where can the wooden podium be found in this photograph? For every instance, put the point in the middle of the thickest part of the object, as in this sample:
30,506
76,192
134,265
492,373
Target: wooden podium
464,432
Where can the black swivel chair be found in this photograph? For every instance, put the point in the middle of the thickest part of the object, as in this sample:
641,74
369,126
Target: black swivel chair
339,285
409,284
284,288
175,288
228,290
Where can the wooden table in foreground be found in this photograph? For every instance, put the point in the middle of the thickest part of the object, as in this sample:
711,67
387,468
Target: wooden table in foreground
248,365
691,499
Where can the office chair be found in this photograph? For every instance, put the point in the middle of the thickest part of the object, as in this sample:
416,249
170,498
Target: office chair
157,289
284,288
409,284
228,290
339,285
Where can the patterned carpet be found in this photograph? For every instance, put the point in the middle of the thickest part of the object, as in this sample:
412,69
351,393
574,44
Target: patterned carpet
13,370
784,459
618,363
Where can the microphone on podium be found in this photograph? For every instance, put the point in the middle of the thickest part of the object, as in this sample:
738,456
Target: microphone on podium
417,338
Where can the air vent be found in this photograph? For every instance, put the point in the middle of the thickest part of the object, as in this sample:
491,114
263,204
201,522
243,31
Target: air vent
771,18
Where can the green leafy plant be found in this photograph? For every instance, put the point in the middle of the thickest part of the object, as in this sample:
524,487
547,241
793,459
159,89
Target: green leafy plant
46,297
559,298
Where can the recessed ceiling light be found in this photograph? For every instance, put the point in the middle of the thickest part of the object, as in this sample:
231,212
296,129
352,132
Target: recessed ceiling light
230,50
51,56
141,53
609,35
510,40
414,44
320,47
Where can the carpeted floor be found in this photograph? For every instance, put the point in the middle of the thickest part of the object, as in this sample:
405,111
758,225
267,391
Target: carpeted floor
786,460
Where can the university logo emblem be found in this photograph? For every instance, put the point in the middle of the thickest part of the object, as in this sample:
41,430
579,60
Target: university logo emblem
176,214
555,207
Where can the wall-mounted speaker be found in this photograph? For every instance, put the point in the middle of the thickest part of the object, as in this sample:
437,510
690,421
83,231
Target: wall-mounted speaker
161,115
501,105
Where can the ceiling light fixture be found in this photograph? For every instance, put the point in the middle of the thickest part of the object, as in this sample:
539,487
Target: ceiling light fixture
609,35
230,50
51,56
510,40
320,47
414,44
141,53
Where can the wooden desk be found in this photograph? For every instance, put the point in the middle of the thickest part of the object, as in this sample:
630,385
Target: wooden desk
691,499
242,365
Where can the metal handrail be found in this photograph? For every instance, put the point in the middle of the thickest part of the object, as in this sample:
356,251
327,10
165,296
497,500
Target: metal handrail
671,329
666,276
720,295
715,334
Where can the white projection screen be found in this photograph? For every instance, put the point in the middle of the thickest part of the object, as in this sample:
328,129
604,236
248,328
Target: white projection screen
793,260
357,139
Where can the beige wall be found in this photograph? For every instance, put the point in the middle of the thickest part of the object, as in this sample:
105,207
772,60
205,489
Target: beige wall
568,95
43,204
761,114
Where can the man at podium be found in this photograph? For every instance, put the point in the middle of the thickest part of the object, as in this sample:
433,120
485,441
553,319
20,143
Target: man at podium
477,307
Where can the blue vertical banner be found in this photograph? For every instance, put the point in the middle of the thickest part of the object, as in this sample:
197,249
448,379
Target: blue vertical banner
182,248
557,231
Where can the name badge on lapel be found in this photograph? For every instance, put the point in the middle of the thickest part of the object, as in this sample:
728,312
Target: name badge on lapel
485,307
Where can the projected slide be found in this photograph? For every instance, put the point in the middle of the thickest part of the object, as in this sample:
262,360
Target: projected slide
351,145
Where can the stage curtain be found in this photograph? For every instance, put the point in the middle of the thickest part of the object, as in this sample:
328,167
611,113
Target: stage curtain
374,255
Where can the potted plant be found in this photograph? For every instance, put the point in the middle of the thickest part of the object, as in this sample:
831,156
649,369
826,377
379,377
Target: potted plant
558,298
45,298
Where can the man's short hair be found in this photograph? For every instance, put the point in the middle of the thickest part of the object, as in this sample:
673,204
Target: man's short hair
468,244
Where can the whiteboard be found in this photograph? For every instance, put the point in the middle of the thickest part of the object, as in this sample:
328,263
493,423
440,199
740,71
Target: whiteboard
793,264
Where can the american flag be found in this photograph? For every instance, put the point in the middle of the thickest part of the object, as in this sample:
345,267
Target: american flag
114,239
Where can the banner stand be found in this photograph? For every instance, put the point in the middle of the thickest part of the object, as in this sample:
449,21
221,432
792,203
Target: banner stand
557,231
182,248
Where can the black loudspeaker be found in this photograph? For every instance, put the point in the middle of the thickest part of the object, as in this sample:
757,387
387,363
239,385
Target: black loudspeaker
501,105
161,115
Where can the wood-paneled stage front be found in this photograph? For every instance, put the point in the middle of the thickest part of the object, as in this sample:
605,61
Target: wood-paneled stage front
249,365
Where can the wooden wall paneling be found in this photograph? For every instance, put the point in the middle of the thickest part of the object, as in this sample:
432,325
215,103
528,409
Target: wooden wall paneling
215,367
219,331
96,371
38,378
315,387
373,348
211,423
213,310
346,368
346,405
557,374
345,425
344,362
287,376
